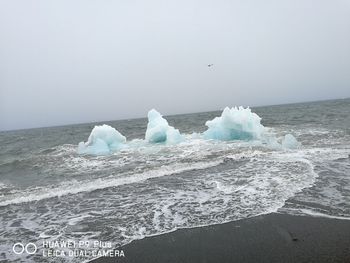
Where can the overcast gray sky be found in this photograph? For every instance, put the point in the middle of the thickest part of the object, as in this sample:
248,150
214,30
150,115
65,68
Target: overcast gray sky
65,62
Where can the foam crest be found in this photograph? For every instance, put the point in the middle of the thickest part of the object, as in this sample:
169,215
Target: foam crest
75,187
328,197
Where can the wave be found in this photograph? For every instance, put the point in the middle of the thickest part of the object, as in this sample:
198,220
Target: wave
76,187
311,212
236,185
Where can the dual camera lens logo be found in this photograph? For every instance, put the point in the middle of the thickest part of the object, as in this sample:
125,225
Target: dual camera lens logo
19,248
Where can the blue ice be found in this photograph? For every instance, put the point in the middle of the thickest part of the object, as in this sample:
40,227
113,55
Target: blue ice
159,130
103,140
235,124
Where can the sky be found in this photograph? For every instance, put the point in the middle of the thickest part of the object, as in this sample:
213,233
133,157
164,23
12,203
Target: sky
65,62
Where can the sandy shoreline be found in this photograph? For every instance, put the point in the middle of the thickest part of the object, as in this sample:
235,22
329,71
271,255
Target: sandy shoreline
268,238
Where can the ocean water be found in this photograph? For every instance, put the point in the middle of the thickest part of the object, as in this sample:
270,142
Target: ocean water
50,192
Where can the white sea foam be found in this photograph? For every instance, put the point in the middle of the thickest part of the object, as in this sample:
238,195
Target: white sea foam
328,196
206,182
74,187
259,186
76,219
311,212
290,142
3,186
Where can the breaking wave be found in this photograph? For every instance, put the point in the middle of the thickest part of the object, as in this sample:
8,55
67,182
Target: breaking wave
75,187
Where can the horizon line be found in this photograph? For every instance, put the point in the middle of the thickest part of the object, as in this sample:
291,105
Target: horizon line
169,115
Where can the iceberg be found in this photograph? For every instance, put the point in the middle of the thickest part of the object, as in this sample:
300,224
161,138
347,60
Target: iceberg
159,130
290,142
103,139
235,124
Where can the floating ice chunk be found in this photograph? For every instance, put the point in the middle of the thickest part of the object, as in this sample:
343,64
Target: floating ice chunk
98,148
158,130
102,140
290,142
235,124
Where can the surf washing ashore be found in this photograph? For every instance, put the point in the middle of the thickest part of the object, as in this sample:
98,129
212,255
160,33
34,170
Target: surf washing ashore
272,238
211,176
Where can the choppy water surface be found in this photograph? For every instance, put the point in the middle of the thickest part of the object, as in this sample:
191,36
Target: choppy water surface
49,192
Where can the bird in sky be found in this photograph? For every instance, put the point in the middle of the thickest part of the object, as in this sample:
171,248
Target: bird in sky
210,65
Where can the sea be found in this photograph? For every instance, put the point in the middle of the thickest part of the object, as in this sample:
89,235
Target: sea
49,192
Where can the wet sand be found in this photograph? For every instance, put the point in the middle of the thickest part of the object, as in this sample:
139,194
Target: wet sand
269,238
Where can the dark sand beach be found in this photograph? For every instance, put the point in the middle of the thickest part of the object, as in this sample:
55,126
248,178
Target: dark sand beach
267,238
